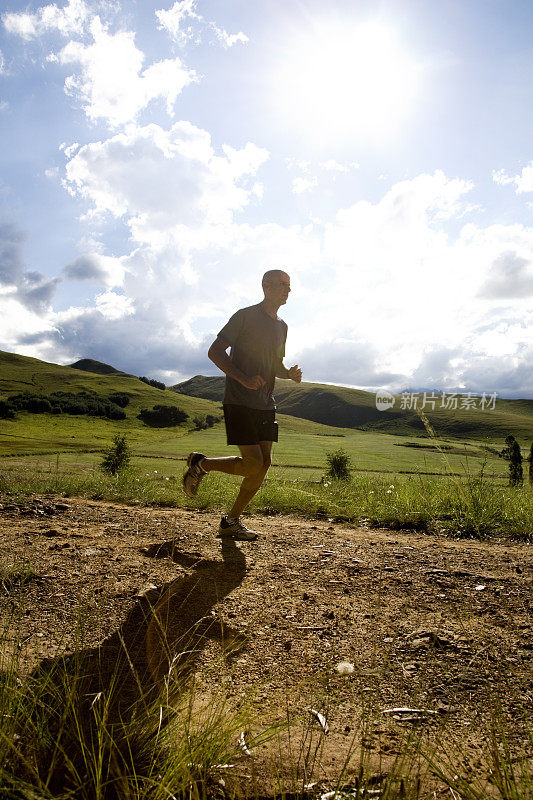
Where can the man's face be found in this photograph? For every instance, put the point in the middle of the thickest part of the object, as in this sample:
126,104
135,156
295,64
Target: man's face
278,288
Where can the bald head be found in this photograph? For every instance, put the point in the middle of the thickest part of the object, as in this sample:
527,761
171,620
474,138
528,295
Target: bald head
273,276
276,287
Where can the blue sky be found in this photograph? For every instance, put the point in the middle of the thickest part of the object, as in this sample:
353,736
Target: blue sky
157,158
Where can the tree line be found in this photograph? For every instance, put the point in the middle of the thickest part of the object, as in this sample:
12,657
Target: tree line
92,405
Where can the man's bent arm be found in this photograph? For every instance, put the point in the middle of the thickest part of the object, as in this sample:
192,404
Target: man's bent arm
218,355
282,371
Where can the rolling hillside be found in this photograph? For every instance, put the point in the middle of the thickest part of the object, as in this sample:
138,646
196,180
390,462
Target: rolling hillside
43,432
341,407
376,441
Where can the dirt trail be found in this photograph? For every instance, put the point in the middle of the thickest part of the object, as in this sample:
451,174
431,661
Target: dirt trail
441,624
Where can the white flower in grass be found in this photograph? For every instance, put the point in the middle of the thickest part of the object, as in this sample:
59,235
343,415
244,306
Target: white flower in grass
345,668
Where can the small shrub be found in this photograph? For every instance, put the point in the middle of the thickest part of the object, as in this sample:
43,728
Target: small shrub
117,458
6,410
163,416
112,411
339,465
513,454
152,382
203,421
39,405
119,399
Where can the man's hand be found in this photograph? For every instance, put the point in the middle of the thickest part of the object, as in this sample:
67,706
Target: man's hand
253,381
295,374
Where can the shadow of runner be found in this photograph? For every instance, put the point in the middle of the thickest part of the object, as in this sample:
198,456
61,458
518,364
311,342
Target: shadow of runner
183,620
108,688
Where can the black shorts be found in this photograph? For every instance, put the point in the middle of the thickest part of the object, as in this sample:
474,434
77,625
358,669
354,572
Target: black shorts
250,425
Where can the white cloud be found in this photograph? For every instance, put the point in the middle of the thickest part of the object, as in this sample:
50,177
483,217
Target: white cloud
501,177
161,179
183,23
110,84
523,182
2,64
18,322
375,298
176,21
296,163
229,39
67,21
114,306
392,272
70,149
349,363
301,185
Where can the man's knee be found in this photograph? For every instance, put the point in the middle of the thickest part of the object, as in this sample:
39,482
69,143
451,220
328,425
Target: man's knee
253,465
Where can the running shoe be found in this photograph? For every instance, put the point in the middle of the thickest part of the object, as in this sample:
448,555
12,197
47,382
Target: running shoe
235,530
194,474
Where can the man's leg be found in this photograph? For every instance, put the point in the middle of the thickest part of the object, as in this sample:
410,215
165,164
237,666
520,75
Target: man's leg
251,483
247,464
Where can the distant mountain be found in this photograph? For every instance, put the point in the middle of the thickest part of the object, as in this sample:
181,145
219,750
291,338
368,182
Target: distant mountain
208,387
98,367
352,408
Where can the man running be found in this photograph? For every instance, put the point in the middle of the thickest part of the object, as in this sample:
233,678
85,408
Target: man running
256,336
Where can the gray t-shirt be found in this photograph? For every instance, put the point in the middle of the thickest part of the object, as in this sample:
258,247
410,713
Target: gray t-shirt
257,348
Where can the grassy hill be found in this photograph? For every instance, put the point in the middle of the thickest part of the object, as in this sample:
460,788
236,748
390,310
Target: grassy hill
376,441
49,434
98,367
34,433
341,407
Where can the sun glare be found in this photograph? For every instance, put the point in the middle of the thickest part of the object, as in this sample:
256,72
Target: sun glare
345,82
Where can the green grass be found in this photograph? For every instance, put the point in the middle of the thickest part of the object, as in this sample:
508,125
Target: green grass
440,483
59,738
302,443
15,576
467,506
